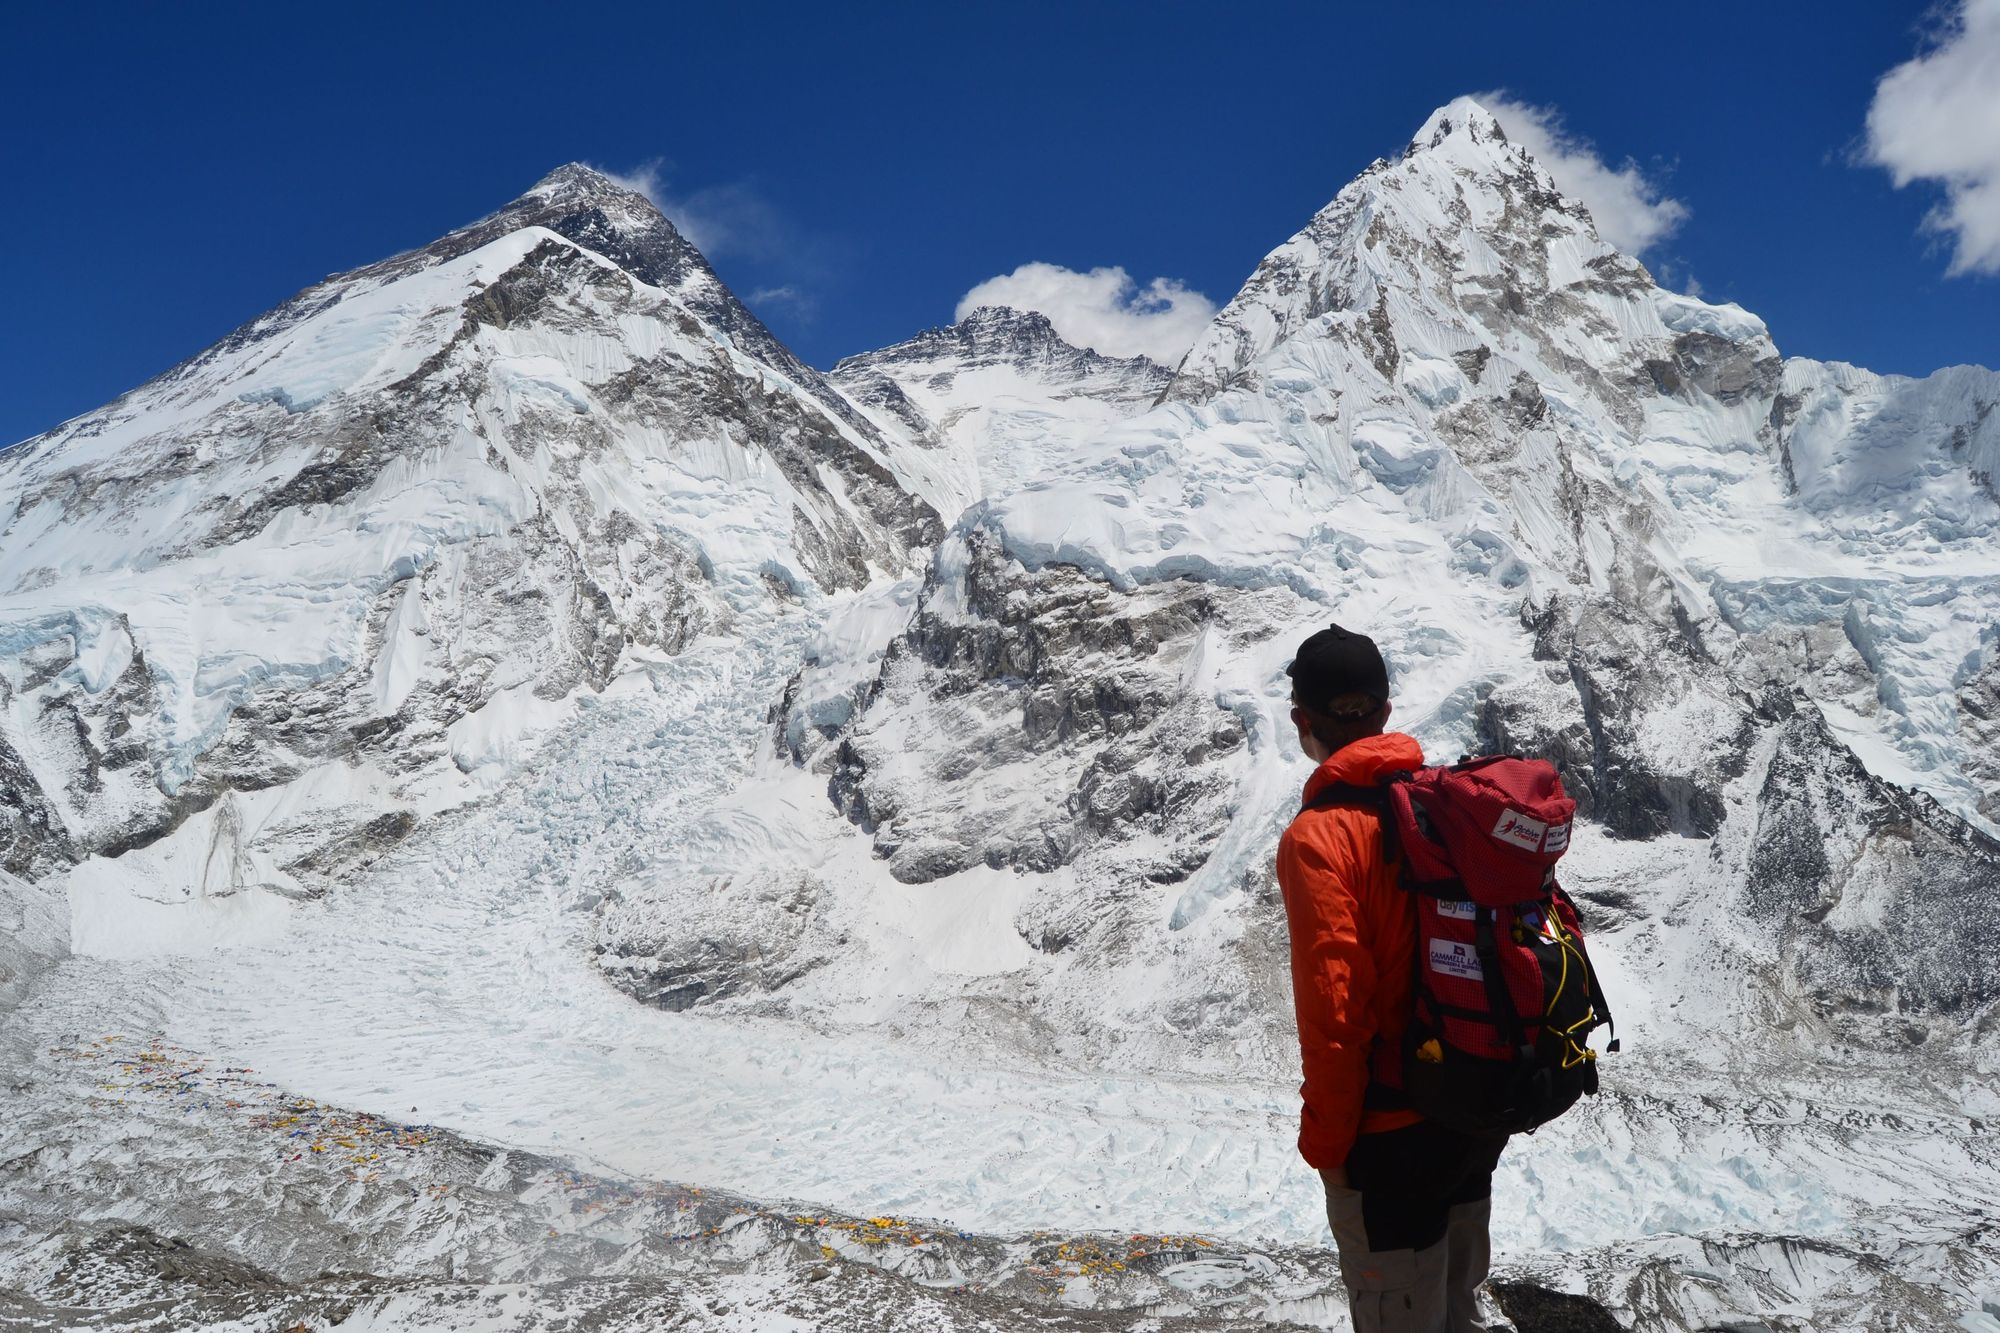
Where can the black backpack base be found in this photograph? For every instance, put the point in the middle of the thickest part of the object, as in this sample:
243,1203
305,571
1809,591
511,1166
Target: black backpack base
1486,1098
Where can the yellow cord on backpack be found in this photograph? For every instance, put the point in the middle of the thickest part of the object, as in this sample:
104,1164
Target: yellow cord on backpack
1575,1052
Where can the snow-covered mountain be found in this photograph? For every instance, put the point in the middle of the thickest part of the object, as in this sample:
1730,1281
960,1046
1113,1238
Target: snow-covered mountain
267,612
909,743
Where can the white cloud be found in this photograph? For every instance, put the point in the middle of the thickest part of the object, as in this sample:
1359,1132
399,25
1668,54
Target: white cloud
646,179
1630,211
789,297
1103,309
1937,118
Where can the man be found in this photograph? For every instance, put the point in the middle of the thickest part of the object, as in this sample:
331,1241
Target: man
1408,1199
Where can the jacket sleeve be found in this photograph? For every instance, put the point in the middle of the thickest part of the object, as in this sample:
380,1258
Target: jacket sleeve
1333,988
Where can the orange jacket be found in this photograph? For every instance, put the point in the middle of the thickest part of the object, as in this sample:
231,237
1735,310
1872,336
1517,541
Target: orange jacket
1354,942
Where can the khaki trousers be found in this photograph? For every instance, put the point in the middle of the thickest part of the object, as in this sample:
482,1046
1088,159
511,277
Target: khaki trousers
1421,1269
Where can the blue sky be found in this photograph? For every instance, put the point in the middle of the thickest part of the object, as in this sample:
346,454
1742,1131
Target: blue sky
173,170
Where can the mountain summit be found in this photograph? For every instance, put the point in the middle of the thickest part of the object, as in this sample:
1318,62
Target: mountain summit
587,206
1462,226
578,183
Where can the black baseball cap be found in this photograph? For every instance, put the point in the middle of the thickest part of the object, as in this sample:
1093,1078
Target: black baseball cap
1334,662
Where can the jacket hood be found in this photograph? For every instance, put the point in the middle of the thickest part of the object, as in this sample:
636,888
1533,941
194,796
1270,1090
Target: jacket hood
1366,762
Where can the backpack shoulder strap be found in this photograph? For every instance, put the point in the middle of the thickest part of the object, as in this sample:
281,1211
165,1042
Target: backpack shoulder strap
1369,797
1348,793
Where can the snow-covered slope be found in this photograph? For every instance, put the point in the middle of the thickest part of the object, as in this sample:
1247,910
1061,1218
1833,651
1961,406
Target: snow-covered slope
992,400
524,598
263,614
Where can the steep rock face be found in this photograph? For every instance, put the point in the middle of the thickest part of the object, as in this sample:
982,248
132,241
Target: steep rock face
33,839
1979,722
1035,722
1646,730
383,534
1882,902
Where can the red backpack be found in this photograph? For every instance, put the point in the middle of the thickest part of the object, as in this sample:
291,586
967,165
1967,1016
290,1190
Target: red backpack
1505,995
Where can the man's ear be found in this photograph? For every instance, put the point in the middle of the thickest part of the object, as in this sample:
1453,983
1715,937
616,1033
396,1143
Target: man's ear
1387,708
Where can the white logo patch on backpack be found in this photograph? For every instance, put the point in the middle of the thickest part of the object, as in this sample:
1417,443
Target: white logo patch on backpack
1558,838
1455,960
1521,830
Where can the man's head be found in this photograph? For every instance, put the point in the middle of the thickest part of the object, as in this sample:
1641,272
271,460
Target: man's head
1340,691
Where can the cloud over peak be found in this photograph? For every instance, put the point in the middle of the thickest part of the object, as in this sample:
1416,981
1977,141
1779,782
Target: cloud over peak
1104,309
716,219
1631,212
1937,118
